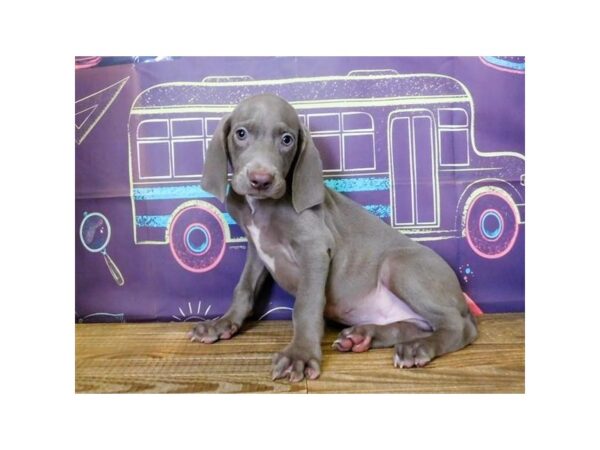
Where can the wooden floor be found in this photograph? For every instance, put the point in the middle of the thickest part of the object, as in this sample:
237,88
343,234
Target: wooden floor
160,358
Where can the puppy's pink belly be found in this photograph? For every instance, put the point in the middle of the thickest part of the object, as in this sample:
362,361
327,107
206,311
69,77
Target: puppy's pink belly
379,307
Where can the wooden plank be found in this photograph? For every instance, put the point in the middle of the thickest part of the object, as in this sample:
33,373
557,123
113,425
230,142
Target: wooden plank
501,329
158,357
494,363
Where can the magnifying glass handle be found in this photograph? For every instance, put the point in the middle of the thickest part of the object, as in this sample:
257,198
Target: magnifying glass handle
114,270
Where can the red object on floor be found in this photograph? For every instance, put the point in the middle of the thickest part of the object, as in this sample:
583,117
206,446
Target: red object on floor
475,310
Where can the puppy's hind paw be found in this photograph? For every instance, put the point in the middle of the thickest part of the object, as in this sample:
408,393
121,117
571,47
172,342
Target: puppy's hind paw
412,354
357,339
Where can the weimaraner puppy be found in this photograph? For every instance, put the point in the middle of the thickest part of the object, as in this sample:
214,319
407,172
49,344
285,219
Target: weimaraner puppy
339,261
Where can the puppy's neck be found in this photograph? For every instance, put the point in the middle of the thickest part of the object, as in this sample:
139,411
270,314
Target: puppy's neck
252,203
256,204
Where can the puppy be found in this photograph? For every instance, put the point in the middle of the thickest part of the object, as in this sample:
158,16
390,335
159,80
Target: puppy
339,261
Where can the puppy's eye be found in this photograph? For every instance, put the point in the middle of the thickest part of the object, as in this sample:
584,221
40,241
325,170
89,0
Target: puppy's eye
287,139
241,133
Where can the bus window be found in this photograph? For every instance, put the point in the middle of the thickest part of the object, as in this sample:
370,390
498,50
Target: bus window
357,121
454,147
153,129
154,159
325,131
329,147
359,152
453,117
324,123
187,140
454,136
153,149
211,125
186,128
188,157
359,145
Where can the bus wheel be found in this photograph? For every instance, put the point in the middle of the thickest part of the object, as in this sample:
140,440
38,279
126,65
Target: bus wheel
492,223
197,238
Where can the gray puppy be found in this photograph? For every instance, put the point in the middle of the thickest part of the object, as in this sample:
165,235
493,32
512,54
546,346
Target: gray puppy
338,260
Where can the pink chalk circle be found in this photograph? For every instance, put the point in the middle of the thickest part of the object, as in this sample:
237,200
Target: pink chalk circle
197,238
492,224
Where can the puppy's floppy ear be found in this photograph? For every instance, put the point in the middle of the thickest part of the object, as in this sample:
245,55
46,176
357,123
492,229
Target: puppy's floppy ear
307,178
214,176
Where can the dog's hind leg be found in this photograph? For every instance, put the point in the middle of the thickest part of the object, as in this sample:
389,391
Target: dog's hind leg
360,338
425,283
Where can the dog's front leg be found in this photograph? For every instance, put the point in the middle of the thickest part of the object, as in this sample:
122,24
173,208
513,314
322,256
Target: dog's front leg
302,357
245,292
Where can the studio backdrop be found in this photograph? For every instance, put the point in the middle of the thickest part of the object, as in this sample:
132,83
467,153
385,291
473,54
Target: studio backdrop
434,147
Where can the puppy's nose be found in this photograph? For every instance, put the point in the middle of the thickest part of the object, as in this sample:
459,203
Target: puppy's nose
260,179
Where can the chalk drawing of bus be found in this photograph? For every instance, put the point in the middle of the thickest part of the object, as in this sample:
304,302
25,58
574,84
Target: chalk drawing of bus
400,145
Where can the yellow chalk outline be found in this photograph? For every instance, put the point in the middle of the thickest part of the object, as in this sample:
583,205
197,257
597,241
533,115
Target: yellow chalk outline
104,108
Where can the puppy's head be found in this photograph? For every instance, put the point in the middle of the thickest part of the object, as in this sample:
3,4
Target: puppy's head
264,141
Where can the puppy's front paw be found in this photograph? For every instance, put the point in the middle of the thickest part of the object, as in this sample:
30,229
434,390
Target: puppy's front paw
213,330
295,363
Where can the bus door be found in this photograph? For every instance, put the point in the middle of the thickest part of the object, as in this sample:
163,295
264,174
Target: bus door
412,168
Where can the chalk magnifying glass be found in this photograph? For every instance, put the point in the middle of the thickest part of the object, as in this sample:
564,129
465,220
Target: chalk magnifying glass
94,233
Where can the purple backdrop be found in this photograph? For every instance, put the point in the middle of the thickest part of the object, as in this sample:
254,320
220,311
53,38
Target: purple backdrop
433,146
